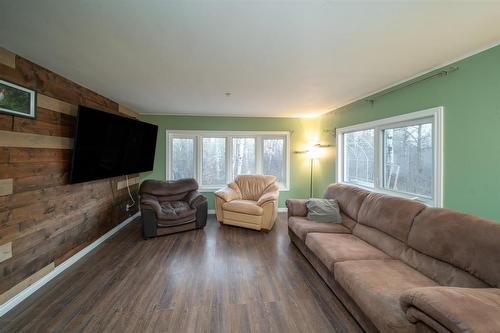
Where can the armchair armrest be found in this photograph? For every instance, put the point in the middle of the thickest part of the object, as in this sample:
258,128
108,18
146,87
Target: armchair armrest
454,309
296,207
228,194
152,202
194,199
269,196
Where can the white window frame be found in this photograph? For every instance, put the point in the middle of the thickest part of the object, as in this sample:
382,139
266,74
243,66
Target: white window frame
435,115
198,136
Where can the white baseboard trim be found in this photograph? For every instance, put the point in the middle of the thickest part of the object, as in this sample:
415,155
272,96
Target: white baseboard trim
280,210
11,303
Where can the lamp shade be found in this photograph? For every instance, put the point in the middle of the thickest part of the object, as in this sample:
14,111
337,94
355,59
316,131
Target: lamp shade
314,151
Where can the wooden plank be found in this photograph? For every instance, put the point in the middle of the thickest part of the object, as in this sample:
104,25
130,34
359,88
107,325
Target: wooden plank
26,283
53,212
4,154
27,242
20,170
49,83
123,183
17,155
40,181
6,122
34,250
33,126
45,218
72,252
6,186
7,58
98,105
5,251
91,189
27,140
57,105
54,117
125,110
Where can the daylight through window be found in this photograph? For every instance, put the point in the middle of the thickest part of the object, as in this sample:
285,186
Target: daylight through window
216,158
399,155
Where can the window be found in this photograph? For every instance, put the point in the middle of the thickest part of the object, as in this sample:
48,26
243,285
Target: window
408,159
400,155
216,158
359,157
274,158
182,158
244,156
213,169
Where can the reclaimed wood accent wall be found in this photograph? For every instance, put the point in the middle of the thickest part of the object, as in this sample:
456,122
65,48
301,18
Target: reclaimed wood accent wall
43,219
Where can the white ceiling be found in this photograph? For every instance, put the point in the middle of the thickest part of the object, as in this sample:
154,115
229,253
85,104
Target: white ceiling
277,58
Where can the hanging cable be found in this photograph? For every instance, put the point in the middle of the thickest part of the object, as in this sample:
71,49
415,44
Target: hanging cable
129,194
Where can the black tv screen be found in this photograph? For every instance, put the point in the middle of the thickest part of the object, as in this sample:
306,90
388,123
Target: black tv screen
107,145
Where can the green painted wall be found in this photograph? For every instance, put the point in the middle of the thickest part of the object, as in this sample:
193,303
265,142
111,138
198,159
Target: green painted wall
471,100
304,131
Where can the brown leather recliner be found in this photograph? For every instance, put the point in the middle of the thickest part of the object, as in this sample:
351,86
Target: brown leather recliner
171,206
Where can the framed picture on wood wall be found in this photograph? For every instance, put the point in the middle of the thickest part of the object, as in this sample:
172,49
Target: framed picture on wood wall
16,100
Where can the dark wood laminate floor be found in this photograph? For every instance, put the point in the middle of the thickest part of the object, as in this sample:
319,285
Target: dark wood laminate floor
221,279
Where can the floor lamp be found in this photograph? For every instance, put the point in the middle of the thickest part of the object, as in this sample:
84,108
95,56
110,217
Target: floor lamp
312,153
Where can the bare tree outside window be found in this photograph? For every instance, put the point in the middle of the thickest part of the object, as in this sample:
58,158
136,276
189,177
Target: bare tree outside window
214,161
359,157
408,159
182,158
214,158
273,158
400,155
243,160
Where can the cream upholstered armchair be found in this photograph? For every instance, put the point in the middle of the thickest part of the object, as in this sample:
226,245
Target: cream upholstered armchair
251,201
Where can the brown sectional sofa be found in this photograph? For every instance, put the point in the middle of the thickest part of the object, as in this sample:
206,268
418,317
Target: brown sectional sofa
400,266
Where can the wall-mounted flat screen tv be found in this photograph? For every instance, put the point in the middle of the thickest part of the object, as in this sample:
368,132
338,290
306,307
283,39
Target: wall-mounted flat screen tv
107,145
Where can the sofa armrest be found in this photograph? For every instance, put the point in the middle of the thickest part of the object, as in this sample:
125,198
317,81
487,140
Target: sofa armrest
454,309
228,194
296,207
151,202
269,196
194,199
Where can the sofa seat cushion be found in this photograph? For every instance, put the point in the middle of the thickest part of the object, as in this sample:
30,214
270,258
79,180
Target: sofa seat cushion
333,248
301,226
376,286
174,210
249,207
179,221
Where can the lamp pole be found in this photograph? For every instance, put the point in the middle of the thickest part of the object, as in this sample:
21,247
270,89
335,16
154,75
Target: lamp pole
311,179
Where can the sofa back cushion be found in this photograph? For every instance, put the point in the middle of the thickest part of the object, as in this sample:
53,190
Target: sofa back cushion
252,187
440,271
384,221
390,245
391,215
464,241
350,198
172,190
